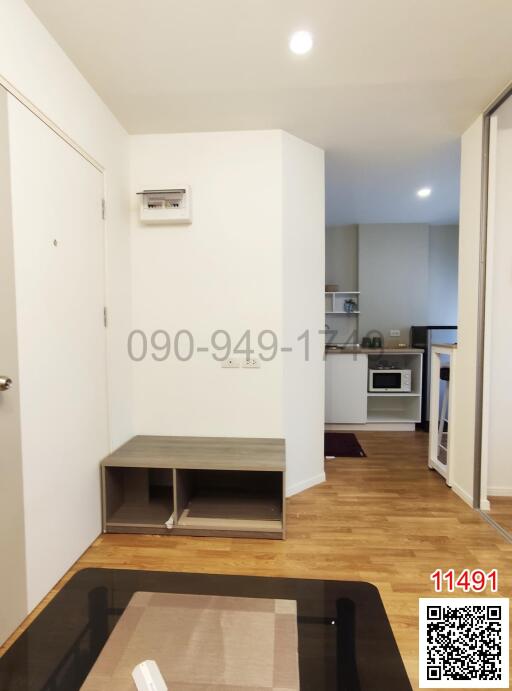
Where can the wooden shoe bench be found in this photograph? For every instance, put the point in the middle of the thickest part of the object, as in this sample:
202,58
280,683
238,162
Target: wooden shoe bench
210,486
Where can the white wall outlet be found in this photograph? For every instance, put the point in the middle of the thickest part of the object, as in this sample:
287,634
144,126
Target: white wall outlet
251,363
230,363
395,332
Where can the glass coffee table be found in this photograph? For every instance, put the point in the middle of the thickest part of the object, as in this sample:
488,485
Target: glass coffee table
345,639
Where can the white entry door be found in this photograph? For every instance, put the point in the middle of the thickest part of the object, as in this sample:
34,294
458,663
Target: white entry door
13,591
60,296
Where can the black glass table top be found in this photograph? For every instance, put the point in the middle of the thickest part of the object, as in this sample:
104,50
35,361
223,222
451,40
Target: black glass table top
345,640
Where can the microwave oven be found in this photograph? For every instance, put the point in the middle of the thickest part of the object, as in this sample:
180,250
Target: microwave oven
389,380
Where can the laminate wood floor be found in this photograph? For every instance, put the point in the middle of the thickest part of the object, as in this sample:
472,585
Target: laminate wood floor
385,519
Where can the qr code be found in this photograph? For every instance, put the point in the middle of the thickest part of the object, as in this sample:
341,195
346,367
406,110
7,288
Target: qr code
464,643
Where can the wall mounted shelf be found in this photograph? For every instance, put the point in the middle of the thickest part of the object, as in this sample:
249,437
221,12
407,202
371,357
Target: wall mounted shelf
334,302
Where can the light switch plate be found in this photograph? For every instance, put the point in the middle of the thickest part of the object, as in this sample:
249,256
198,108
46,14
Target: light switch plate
395,333
230,363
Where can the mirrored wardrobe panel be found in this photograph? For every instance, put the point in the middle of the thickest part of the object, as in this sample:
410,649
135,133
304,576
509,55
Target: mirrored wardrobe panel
496,468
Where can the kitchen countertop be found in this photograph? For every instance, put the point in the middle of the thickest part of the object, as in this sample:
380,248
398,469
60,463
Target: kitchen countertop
373,351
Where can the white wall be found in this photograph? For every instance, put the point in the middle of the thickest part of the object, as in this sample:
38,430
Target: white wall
221,272
443,275
303,268
32,63
37,67
497,441
253,258
464,391
393,278
225,271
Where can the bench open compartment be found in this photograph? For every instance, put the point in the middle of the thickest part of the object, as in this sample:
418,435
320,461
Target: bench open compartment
212,501
137,500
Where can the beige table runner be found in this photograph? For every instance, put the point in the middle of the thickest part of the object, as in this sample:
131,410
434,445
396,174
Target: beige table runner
203,643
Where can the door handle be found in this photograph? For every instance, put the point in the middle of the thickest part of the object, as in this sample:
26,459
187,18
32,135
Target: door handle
5,383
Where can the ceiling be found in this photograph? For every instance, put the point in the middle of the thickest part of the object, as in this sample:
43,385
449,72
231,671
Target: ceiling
387,89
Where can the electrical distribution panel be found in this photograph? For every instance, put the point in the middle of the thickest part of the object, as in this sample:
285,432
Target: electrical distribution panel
166,206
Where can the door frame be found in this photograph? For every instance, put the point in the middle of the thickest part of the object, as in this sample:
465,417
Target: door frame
97,218
45,119
10,88
481,462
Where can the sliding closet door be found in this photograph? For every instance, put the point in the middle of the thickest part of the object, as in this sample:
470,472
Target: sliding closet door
497,427
13,590
59,275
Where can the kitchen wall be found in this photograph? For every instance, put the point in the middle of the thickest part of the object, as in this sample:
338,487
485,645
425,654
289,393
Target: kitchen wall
252,259
443,272
342,268
341,256
406,273
393,278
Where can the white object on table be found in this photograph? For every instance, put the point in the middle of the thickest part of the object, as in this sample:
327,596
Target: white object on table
147,677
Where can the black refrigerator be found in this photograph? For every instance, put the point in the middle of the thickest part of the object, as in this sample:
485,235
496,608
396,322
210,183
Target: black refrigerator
423,337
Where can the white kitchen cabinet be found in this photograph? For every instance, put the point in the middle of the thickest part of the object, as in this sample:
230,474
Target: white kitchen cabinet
346,376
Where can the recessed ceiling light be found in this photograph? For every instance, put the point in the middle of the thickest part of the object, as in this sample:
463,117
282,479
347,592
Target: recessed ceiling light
301,42
424,192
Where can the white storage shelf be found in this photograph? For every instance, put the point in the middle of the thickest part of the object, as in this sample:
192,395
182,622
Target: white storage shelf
374,394
348,401
334,302
396,407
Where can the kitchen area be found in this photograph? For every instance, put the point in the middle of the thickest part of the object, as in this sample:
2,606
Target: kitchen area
390,293
381,389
